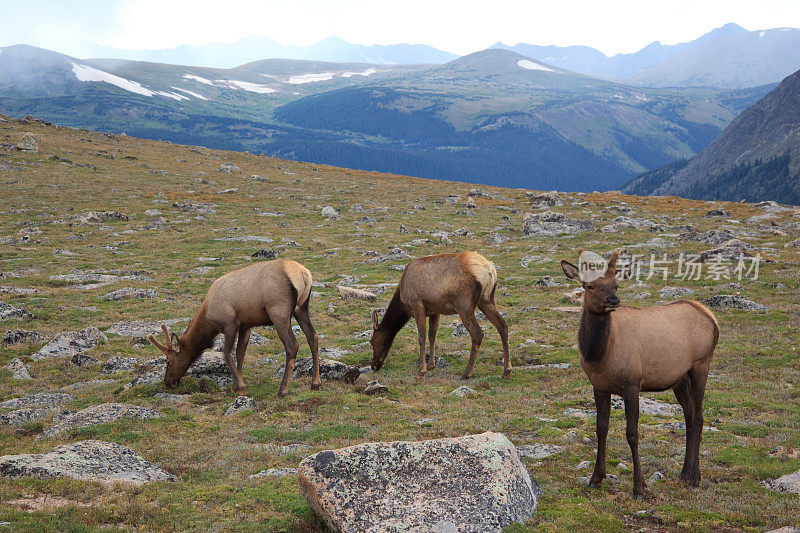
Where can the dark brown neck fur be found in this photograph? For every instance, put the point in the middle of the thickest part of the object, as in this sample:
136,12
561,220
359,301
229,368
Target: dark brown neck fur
593,334
394,319
199,335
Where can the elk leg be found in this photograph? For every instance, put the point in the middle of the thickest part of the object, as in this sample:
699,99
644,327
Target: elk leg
304,319
683,392
283,325
419,318
602,402
699,378
632,433
241,347
490,310
433,327
229,335
476,333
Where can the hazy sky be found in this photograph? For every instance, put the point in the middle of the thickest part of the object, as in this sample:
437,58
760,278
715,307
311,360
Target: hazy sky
456,26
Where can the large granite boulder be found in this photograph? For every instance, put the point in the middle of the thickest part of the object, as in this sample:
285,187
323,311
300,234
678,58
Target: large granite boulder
88,460
472,483
328,369
787,483
70,343
549,223
100,414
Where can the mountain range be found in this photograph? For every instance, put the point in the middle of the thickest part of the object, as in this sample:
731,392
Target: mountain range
757,156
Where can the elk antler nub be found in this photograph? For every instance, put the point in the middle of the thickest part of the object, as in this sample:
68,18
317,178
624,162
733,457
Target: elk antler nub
166,335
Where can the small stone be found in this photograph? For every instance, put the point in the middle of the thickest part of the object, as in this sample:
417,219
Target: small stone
734,301
544,199
18,369
461,391
470,203
548,281
675,292
496,238
28,143
550,223
328,369
39,399
650,407
351,293
119,364
539,451
69,343
228,167
232,190
81,359
99,414
786,483
130,294
718,212
274,472
583,465
375,387
656,477
10,312
265,253
241,403
330,213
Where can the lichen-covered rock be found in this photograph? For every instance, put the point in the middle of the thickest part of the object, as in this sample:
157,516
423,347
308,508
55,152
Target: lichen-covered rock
787,483
39,399
88,460
475,483
718,212
544,199
375,387
100,414
351,293
18,336
461,391
28,143
69,343
241,403
18,369
328,369
208,366
539,451
118,364
395,253
330,213
274,472
548,223
10,312
650,407
734,301
140,328
129,293
22,416
674,292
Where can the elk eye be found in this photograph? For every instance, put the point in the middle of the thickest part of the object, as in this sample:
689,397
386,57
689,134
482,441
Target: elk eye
589,288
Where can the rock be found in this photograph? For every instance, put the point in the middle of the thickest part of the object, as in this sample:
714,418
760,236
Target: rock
332,352
241,403
714,237
153,213
9,312
232,190
130,294
28,143
655,242
548,281
81,359
350,293
459,330
730,250
575,296
470,203
734,301
375,387
549,223
94,217
209,365
583,465
539,451
228,167
330,213
496,238
786,483
265,253
650,407
656,477
627,222
258,177
100,414
119,364
274,472
69,343
528,259
38,399
24,416
718,212
785,529
461,391
394,254
560,366
794,244
475,483
544,199
203,208
580,413
771,206
425,422
174,399
328,369
88,460
18,369
140,328
674,292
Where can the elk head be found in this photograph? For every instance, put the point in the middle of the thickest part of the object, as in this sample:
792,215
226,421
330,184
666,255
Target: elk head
381,342
600,287
177,362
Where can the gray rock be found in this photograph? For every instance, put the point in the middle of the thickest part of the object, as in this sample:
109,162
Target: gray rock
330,213
496,238
228,167
475,483
539,451
548,281
394,254
241,403
328,369
70,343
81,359
25,415
88,460
174,399
544,199
718,212
130,294
583,465
38,399
794,244
18,369
332,352
95,217
209,365
232,190
650,407
119,364
351,293
203,208
470,203
627,222
375,387
730,250
28,143
459,330
786,483
714,237
771,206
140,328
656,242
674,292
265,253
549,223
655,478
10,312
100,414
734,301
274,472
461,391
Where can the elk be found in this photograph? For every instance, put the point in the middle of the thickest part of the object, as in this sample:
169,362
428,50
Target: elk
626,350
266,293
444,284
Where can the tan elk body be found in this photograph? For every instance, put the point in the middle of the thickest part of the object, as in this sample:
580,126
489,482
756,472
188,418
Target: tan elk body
266,293
626,350
444,284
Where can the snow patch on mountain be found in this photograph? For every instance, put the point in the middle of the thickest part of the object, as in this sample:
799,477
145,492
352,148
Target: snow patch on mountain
247,86
199,96
367,72
310,78
198,79
84,73
530,65
174,96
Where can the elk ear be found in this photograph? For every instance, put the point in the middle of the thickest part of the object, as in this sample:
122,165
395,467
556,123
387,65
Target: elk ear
612,261
175,344
374,319
157,344
570,270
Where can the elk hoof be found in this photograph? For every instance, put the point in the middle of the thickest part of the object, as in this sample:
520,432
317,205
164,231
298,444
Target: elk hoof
281,394
466,376
240,391
315,386
594,484
431,366
639,496
506,373
421,375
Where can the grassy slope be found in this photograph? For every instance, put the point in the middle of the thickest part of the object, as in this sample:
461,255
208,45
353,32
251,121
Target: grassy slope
752,399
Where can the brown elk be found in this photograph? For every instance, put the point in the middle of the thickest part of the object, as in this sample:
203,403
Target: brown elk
626,350
266,293
444,284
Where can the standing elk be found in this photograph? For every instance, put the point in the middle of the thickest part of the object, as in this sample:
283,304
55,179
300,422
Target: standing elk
266,293
444,284
626,350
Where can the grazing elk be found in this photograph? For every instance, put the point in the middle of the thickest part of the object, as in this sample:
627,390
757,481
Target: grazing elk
626,350
266,293
444,284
